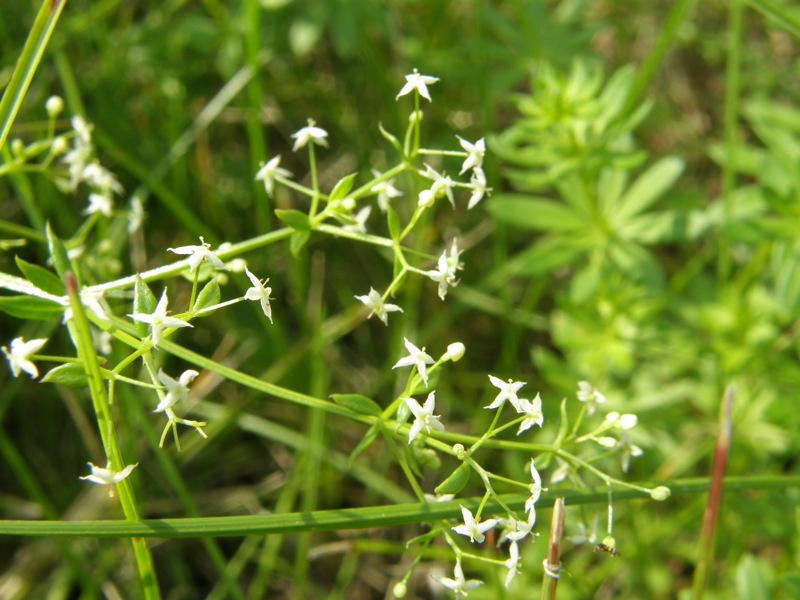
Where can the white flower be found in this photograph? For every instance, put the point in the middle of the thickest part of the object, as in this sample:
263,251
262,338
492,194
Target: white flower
423,416
417,82
99,203
376,304
135,215
416,357
360,226
91,301
259,292
447,267
106,476
19,355
592,397
517,530
472,529
479,189
629,449
535,489
459,585
511,563
310,133
177,391
533,412
508,391
97,176
159,320
563,471
585,535
198,254
442,184
268,172
385,190
626,421
475,154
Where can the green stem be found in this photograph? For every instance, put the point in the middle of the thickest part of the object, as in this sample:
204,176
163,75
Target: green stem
82,338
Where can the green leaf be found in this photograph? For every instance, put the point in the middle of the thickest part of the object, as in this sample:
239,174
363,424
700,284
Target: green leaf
27,307
456,481
365,443
393,222
298,240
549,254
391,139
28,62
144,302
58,253
361,405
41,277
208,296
750,580
342,188
69,374
294,219
539,214
647,188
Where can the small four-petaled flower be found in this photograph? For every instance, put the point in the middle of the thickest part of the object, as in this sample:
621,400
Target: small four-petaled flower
106,476
310,133
417,82
473,529
460,586
198,254
416,357
376,304
19,355
260,293
508,391
423,416
159,320
268,172
177,391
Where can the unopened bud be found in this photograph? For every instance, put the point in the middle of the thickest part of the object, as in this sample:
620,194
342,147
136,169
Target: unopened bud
455,351
660,493
400,590
54,106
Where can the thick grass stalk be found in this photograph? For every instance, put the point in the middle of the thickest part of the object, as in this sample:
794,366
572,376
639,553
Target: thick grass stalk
552,564
714,495
82,338
27,64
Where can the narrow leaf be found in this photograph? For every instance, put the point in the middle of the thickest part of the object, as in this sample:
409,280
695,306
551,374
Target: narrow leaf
208,296
34,309
294,219
69,374
361,405
41,277
342,188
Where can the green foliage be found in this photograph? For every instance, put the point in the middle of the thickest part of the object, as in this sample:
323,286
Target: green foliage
624,244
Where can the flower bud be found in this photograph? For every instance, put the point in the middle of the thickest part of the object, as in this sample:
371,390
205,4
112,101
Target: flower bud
459,451
54,106
400,590
455,351
660,493
426,198
17,147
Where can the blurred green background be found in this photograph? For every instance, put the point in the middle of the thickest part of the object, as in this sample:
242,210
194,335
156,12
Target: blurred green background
187,98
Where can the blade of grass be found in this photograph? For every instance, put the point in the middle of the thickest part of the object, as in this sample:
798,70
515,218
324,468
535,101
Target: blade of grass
359,518
777,14
28,62
714,494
